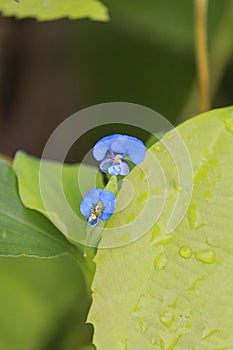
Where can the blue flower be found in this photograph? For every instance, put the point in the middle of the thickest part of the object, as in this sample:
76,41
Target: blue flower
98,204
118,147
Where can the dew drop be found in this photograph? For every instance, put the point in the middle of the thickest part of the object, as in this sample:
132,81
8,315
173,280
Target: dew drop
167,318
229,124
160,262
174,342
185,252
211,244
195,219
162,344
196,283
157,148
153,341
162,241
210,333
142,326
155,232
207,256
174,304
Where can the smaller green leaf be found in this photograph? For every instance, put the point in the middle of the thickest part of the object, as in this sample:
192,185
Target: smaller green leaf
45,10
24,231
56,190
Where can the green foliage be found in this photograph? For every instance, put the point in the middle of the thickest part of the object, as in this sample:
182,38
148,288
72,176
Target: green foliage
45,10
42,300
62,198
23,231
164,21
173,290
45,301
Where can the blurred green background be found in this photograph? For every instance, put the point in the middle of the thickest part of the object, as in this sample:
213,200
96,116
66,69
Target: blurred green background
50,70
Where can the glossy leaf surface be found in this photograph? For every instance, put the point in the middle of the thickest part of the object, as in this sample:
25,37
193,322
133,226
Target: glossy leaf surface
173,290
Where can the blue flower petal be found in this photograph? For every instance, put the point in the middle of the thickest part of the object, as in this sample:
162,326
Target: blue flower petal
136,150
105,164
103,146
105,216
115,169
129,145
124,168
85,209
109,204
119,146
90,199
107,196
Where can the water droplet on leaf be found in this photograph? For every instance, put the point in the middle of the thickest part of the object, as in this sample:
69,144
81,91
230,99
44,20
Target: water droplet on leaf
142,326
167,318
207,256
160,262
162,241
155,232
174,304
162,344
157,148
195,219
210,333
196,283
185,252
153,341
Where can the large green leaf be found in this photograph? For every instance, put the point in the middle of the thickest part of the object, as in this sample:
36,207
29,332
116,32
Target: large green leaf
23,231
42,189
173,290
45,10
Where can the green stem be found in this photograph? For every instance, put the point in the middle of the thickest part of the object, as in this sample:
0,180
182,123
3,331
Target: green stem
201,9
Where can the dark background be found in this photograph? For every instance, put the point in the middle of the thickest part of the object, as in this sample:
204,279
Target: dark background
144,55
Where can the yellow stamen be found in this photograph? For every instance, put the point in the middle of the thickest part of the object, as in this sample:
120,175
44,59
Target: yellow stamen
117,160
